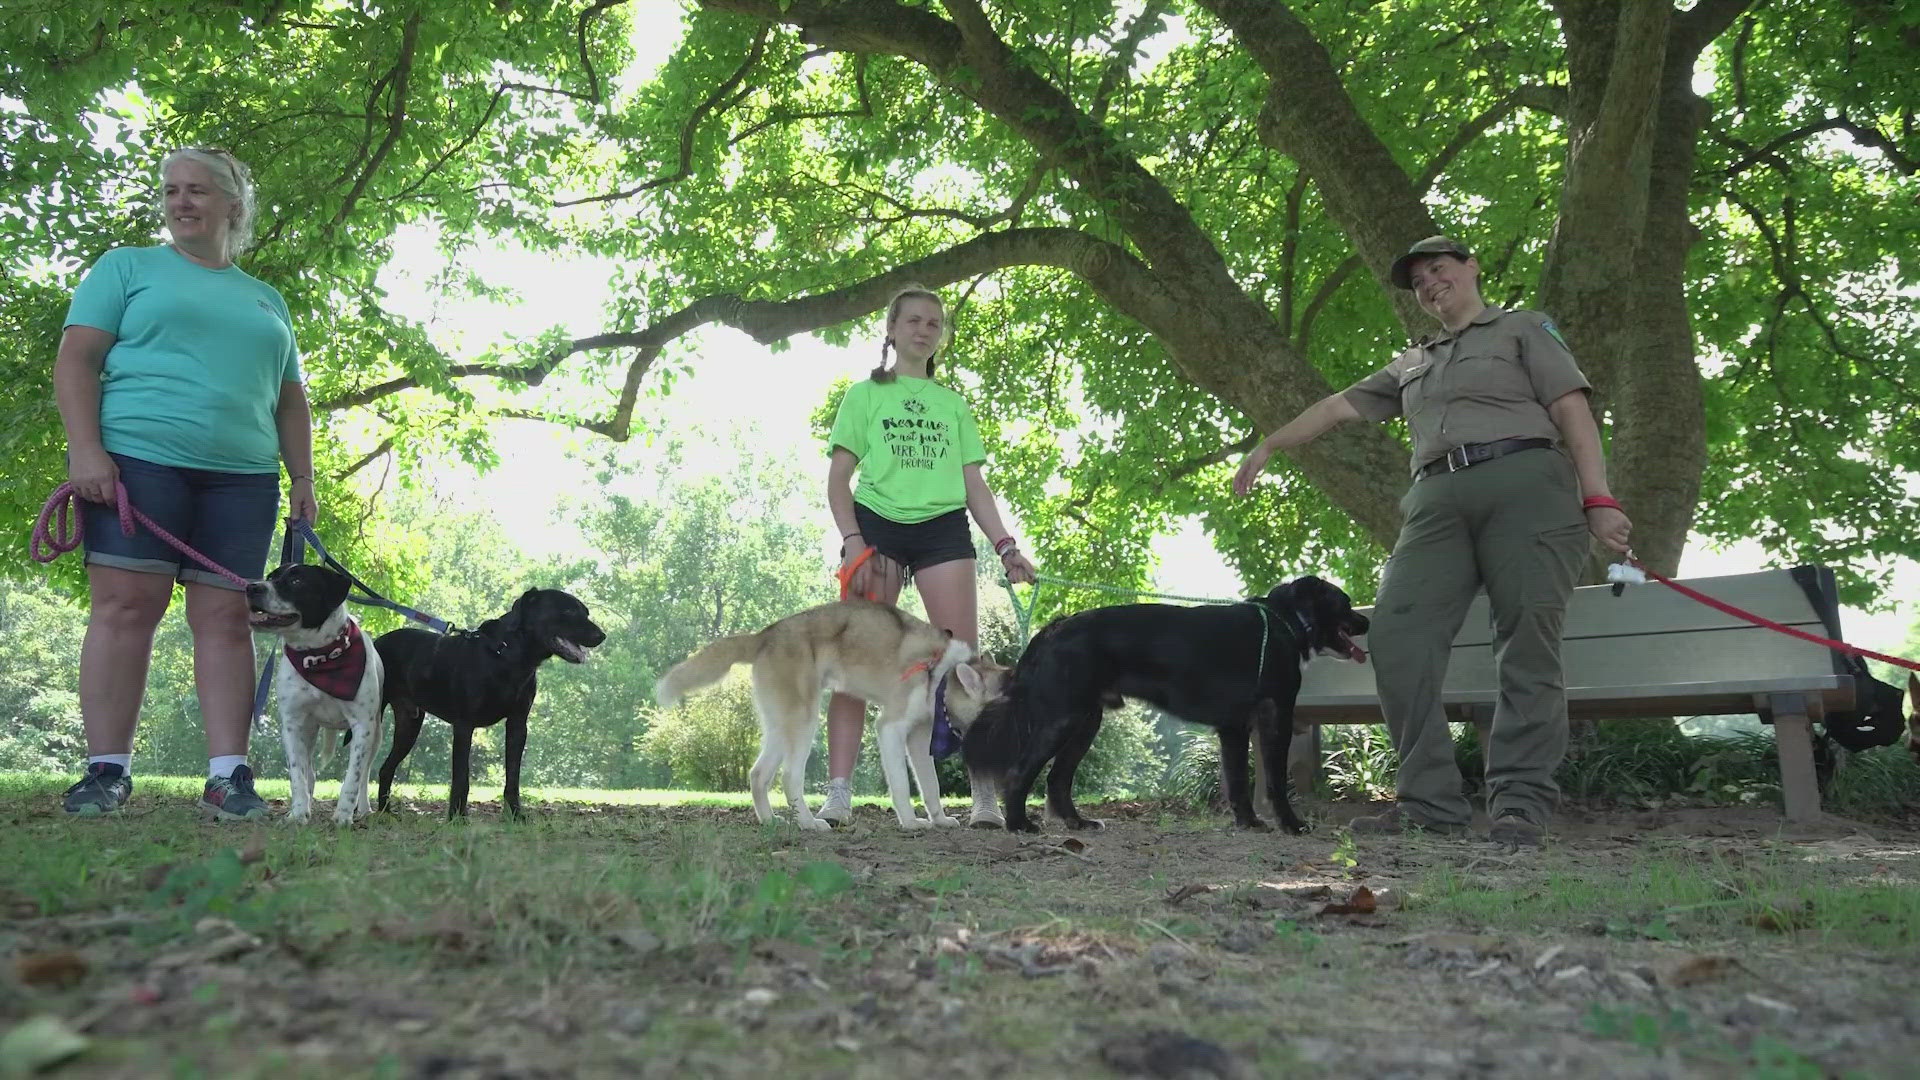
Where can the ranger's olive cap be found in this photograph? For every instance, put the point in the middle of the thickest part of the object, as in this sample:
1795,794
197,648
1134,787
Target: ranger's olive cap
1433,245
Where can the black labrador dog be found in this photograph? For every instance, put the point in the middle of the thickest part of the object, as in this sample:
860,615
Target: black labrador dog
476,678
1204,665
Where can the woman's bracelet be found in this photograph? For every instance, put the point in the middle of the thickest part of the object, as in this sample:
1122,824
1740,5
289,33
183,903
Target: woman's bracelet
1004,545
291,477
1607,501
851,535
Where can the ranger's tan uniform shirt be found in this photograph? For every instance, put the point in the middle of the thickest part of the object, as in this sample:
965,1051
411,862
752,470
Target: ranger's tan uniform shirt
1493,380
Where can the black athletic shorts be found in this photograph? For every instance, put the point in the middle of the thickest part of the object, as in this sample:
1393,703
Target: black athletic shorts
937,540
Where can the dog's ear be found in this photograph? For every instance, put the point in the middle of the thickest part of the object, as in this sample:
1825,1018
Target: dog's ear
339,587
516,615
970,679
1913,693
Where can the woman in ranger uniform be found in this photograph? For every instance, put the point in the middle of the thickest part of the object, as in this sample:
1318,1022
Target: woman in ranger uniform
1508,484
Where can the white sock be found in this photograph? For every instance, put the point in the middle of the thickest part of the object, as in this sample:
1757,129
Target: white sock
125,761
219,768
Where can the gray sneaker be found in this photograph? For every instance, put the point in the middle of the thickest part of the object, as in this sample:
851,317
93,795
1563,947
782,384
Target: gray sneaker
231,798
839,805
1396,821
104,790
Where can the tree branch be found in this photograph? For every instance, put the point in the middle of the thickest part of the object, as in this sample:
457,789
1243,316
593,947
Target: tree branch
715,100
1321,296
1695,28
396,117
386,446
967,58
1124,53
467,140
1469,131
1115,275
864,110
1866,135
1311,117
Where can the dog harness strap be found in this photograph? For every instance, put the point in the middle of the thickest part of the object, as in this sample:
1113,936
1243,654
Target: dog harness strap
337,667
1266,625
944,740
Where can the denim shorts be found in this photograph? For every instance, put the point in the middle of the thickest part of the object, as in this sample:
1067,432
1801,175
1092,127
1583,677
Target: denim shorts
228,517
937,540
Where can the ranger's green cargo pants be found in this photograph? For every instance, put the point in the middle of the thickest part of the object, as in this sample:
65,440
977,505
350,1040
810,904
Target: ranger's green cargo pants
1514,526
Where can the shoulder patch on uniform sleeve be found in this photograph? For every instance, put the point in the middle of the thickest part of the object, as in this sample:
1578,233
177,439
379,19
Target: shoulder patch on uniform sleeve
1547,325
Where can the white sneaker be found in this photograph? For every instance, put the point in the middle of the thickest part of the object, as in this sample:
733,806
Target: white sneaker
839,805
986,807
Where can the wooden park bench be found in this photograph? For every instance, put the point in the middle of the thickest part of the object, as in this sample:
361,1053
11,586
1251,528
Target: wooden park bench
1648,652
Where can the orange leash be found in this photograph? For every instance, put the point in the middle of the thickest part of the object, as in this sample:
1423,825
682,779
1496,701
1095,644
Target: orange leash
845,574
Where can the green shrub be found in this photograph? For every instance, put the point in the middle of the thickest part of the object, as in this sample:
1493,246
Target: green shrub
710,740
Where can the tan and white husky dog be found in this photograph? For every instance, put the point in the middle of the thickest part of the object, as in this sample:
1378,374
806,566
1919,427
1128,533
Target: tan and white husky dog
856,647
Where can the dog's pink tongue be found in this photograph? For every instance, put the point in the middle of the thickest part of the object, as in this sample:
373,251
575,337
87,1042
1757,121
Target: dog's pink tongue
1355,653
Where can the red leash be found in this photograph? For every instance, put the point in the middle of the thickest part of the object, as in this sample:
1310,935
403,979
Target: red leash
1729,609
64,535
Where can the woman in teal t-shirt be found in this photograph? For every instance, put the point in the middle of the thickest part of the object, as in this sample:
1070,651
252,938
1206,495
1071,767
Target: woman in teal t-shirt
177,377
917,452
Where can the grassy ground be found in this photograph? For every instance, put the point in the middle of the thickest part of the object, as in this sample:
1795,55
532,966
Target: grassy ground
614,934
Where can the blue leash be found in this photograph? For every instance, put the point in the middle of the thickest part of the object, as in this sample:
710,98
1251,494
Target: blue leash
367,597
299,536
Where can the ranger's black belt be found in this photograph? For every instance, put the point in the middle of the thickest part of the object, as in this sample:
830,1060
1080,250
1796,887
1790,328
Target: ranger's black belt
1463,457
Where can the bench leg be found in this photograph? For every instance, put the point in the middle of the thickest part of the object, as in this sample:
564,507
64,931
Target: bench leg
1303,761
1793,739
1303,766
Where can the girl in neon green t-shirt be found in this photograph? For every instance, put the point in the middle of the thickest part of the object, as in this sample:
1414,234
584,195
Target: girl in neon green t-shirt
917,453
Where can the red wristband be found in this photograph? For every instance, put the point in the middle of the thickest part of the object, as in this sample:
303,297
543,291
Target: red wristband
1607,501
1004,545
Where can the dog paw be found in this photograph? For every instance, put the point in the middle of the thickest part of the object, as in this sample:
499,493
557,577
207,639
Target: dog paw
947,821
1299,828
1087,824
1023,826
1253,825
915,824
814,824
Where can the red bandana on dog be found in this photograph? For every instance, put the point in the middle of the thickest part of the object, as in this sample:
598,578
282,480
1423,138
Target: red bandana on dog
335,667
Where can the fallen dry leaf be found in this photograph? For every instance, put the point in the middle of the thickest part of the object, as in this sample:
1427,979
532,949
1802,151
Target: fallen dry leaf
1693,970
1360,902
1180,893
54,970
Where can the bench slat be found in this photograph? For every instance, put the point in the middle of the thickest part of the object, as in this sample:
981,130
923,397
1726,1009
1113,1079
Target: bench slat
1594,611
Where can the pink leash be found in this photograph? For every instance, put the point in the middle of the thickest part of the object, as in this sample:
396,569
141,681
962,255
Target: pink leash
1729,609
64,536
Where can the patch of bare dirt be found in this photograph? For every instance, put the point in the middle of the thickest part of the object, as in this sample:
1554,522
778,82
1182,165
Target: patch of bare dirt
1165,945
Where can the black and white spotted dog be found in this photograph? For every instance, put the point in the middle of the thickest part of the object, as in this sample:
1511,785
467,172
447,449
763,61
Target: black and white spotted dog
329,676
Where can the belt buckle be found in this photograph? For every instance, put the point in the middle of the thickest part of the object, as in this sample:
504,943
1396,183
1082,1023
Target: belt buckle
1457,459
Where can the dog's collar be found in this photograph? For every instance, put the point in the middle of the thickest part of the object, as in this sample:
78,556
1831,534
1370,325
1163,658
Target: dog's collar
1292,615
